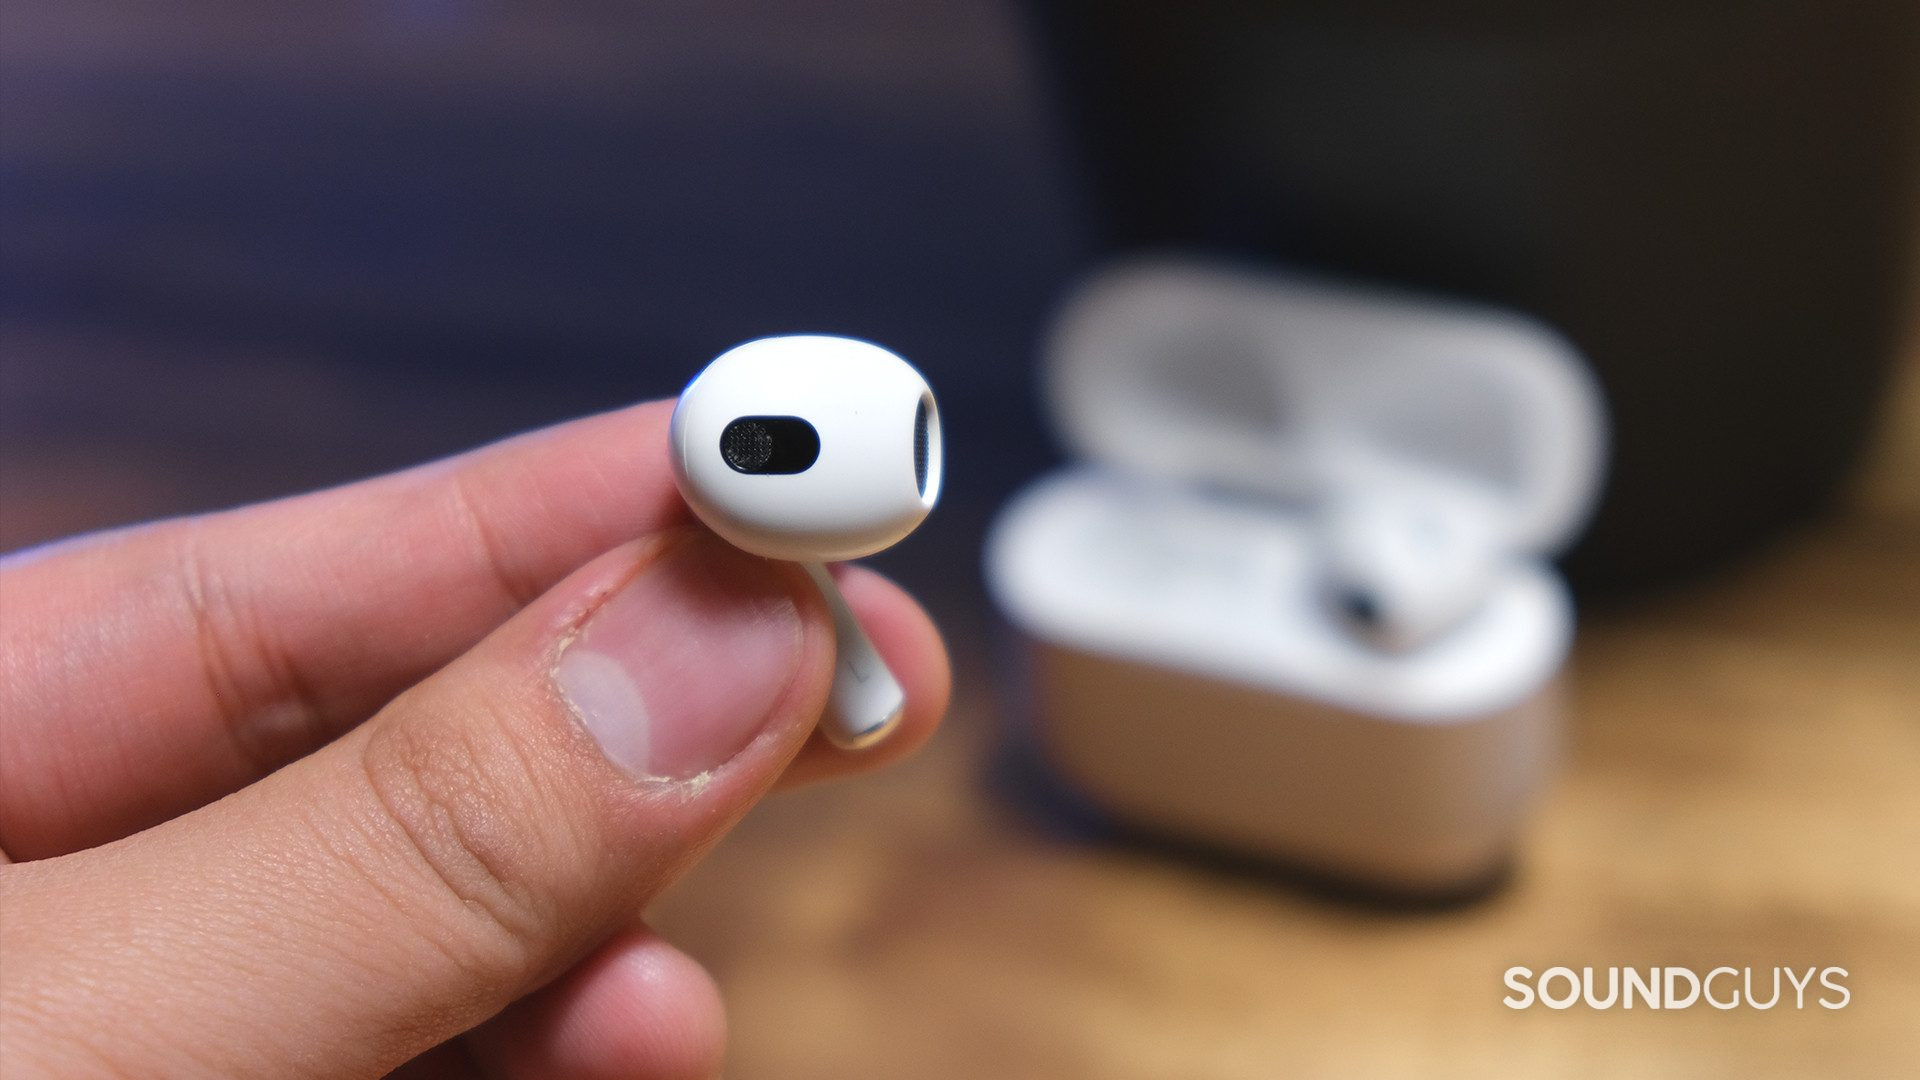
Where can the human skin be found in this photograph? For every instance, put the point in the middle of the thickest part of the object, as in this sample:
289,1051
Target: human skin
380,779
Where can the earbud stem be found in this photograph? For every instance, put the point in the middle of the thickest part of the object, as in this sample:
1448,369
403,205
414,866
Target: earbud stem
866,701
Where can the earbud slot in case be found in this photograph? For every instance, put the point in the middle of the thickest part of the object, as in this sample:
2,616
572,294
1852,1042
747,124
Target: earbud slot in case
1188,673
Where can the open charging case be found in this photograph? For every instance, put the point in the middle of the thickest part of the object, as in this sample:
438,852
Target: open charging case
1188,673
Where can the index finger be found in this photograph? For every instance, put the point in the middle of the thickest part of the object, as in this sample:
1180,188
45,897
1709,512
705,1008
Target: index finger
152,669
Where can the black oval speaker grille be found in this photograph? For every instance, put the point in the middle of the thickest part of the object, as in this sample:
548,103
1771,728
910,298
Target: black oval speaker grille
770,445
920,447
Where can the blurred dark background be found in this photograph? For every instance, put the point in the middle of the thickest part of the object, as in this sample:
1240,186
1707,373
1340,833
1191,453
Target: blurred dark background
247,250
253,249
1712,198
260,249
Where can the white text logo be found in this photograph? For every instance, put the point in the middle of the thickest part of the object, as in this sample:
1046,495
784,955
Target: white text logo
1677,988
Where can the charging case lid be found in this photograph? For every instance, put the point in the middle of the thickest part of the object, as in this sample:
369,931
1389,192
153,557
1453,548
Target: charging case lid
1209,404
1281,386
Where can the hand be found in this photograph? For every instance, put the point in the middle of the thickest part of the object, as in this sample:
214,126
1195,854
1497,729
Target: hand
381,777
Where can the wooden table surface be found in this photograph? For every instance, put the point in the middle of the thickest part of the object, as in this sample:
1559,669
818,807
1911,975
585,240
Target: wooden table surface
1743,789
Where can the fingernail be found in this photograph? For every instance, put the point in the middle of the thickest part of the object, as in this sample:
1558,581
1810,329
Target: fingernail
674,674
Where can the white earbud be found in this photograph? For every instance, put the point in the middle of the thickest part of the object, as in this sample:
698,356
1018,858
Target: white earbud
1406,563
815,449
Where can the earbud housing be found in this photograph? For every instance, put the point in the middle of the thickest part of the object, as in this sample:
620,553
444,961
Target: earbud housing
810,448
815,449
1404,563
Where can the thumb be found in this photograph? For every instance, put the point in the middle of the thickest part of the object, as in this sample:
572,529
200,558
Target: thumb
465,845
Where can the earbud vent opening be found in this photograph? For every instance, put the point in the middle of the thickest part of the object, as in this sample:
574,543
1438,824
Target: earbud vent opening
769,445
